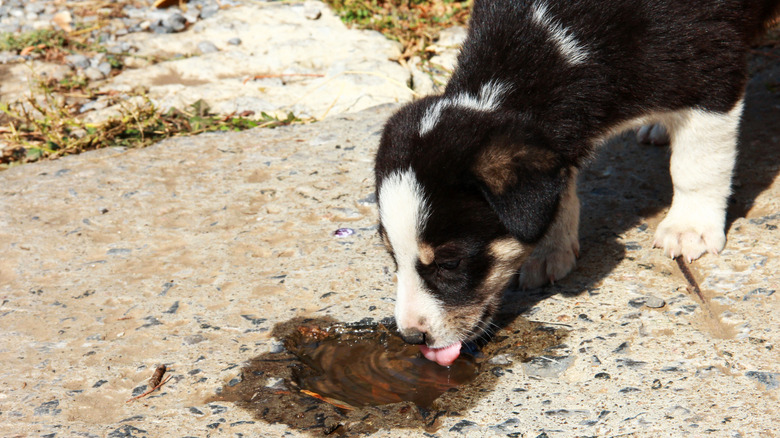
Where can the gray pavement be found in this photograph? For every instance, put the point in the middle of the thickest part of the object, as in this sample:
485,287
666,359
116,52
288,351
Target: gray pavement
188,253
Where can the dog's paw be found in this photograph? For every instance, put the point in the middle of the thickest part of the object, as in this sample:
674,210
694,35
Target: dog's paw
679,237
548,266
654,134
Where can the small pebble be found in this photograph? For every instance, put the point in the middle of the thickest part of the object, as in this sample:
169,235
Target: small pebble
94,74
35,7
234,41
207,47
209,10
236,380
312,11
104,68
78,61
501,359
276,347
344,232
8,57
176,22
192,15
654,302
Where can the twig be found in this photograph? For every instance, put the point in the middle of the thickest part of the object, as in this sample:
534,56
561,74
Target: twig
328,400
689,277
87,30
332,104
285,75
155,382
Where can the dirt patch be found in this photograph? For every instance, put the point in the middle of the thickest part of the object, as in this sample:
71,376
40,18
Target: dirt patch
173,77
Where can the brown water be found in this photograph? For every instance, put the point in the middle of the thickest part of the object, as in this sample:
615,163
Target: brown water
370,365
347,380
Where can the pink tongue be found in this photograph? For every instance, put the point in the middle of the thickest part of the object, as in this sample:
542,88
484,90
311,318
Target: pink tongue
442,356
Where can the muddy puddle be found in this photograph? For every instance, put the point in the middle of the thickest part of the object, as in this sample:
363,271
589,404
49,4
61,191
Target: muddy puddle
342,379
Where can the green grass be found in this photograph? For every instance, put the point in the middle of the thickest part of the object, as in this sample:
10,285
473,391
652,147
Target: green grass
43,127
40,39
413,23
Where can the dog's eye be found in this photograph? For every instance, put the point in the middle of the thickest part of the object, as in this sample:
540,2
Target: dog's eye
448,264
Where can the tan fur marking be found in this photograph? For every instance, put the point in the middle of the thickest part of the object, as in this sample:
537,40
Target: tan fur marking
426,253
494,167
464,316
508,249
510,255
497,165
465,320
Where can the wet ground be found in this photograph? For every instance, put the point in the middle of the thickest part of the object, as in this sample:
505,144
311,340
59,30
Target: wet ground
350,379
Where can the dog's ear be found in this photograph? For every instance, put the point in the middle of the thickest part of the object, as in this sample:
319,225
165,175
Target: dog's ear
523,184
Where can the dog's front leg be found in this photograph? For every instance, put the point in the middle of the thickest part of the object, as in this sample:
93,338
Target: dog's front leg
556,253
704,150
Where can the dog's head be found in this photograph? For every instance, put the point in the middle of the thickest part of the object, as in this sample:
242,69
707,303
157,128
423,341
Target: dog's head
463,195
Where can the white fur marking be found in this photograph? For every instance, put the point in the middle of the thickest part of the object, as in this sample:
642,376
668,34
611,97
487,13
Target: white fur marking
489,98
704,151
569,47
403,211
432,115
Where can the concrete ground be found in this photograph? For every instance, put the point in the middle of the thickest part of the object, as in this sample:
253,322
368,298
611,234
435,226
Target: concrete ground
188,252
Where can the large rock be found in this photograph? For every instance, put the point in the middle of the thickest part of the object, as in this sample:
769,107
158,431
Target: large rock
285,62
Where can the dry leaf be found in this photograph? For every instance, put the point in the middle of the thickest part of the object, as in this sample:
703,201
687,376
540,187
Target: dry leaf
160,4
27,50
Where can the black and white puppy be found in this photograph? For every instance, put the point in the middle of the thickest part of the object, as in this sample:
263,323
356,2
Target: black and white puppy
481,180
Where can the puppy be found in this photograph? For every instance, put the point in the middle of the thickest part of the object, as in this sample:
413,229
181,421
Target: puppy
480,182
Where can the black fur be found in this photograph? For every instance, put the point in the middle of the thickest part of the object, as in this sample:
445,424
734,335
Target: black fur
643,56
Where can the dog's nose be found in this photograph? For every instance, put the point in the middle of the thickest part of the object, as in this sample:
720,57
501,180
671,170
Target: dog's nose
413,336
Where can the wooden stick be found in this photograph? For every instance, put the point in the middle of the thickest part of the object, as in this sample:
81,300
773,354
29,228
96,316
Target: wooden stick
155,382
328,400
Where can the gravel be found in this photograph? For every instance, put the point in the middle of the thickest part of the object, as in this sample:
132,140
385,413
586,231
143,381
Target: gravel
23,16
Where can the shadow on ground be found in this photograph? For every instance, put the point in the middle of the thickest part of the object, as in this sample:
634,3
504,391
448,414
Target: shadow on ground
629,186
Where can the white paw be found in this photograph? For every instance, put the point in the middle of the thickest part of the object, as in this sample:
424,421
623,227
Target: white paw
548,265
689,239
654,134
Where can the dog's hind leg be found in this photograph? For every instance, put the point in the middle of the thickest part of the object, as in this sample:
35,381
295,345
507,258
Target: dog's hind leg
704,151
556,253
